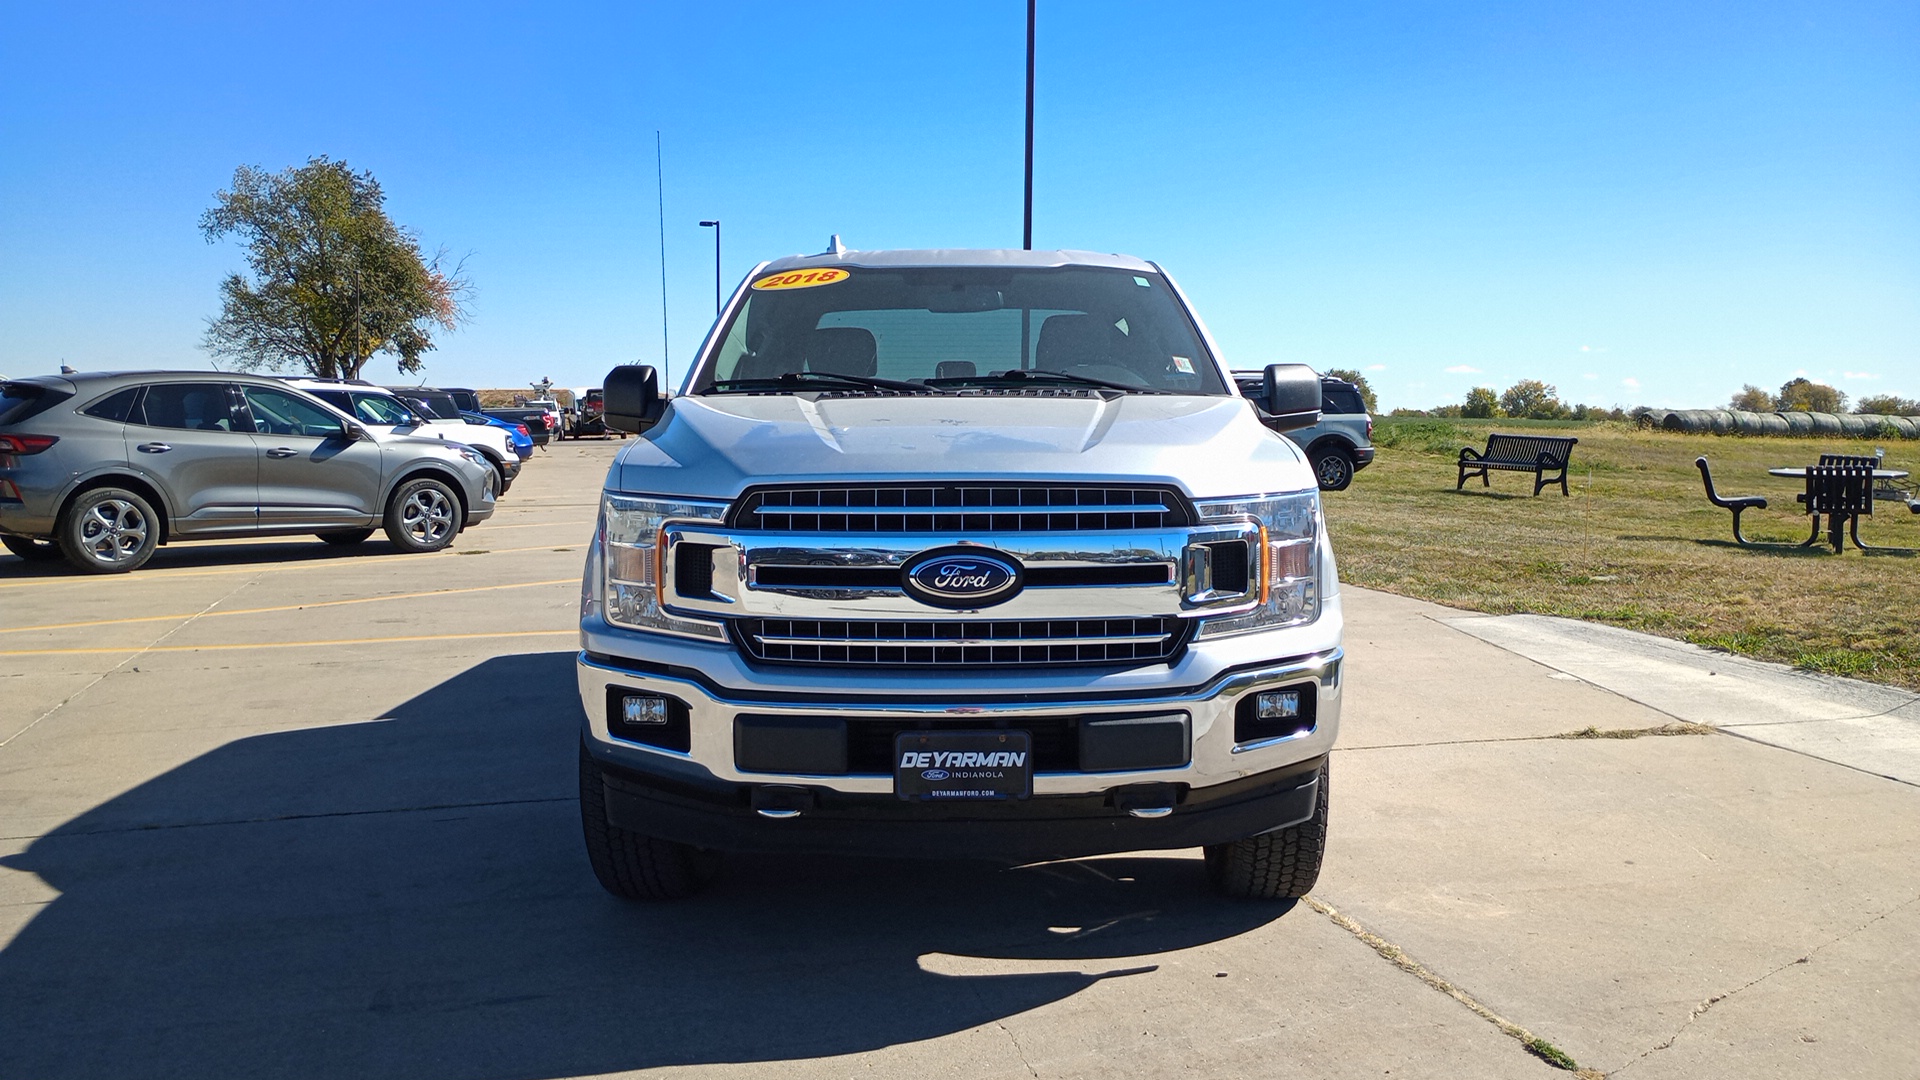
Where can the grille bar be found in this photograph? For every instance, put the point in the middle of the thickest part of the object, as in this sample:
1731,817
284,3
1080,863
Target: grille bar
926,508
960,643
1135,639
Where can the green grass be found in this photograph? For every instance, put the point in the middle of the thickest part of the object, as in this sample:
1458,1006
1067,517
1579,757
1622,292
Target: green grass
1638,545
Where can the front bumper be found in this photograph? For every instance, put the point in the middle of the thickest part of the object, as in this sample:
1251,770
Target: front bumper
481,497
1224,790
723,816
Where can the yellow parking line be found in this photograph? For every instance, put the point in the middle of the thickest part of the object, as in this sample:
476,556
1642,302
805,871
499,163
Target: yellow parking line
288,644
281,567
283,607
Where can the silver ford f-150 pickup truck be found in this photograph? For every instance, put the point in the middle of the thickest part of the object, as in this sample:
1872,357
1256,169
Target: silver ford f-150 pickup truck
961,554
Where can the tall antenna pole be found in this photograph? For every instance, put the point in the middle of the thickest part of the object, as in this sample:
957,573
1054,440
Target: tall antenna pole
1026,235
660,186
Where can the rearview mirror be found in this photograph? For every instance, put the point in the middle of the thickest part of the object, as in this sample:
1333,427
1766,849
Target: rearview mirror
1291,395
631,398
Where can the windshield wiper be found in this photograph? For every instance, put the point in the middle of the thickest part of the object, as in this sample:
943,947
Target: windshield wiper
791,379
1020,375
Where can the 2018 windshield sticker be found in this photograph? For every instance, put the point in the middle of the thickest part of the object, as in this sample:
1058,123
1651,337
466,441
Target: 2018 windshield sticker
802,279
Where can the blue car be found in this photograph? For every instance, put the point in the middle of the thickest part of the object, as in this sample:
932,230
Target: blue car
522,441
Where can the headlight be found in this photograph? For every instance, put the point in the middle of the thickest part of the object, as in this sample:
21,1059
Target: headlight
475,456
1288,592
629,553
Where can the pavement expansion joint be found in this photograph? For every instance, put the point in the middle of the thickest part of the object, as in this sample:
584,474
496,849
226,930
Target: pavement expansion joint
1532,1043
1706,1004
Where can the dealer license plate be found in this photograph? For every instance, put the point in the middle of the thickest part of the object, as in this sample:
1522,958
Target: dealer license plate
958,765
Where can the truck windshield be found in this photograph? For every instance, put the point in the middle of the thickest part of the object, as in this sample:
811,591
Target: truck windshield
963,326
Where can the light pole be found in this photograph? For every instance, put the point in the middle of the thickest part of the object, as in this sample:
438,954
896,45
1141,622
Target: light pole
715,226
1026,232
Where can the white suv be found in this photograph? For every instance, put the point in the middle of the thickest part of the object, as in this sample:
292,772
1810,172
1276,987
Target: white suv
382,409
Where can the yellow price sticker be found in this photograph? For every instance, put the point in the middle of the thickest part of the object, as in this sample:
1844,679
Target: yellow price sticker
802,279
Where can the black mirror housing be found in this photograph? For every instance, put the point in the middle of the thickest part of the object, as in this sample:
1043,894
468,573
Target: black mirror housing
630,398
1291,394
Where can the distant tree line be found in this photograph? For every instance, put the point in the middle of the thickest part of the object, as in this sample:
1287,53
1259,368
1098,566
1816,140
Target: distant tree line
1804,395
1531,399
1528,399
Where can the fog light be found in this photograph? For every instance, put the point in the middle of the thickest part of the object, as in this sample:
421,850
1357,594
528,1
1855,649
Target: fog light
1274,705
637,709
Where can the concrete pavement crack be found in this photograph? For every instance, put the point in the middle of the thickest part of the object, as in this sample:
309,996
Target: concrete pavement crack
1702,1008
1533,1044
102,677
426,808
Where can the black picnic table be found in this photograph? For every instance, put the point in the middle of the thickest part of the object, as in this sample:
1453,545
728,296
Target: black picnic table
1844,493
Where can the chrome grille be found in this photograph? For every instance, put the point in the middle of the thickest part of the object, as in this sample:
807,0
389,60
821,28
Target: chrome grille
960,642
958,508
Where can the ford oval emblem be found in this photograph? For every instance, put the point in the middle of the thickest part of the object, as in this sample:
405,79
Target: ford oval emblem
934,774
961,578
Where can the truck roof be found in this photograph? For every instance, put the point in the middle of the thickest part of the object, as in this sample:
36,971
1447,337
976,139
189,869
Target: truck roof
991,257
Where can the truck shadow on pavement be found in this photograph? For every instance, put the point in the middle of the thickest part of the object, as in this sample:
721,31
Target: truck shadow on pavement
409,898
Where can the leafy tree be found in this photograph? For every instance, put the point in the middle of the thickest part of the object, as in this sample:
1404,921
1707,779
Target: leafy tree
1481,404
1806,395
1752,399
1359,380
334,280
1532,400
1890,404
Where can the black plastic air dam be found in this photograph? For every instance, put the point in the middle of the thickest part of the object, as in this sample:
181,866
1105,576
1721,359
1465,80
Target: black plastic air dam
718,815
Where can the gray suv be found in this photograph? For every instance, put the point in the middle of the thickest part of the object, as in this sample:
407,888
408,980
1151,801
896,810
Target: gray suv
104,468
1341,444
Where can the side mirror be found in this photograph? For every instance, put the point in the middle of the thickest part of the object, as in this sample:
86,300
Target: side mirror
1292,395
631,398
356,433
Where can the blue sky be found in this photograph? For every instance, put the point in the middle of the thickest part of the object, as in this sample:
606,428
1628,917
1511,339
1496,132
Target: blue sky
1639,203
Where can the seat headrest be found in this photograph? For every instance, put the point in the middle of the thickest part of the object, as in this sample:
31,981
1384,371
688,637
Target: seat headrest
1071,340
843,350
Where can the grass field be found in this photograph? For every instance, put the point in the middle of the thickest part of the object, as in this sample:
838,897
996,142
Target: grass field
1638,545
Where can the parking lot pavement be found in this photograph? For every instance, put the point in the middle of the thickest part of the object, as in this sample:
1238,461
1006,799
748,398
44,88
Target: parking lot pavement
269,810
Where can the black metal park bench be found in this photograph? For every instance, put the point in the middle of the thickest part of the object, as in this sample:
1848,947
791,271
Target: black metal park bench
1537,454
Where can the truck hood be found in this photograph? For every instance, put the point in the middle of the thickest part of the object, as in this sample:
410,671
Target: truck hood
713,447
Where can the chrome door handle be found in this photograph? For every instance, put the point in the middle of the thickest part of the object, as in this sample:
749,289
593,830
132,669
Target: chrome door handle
282,451
153,448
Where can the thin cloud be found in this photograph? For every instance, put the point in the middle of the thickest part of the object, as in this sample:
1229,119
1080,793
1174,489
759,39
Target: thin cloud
1376,367
1589,376
1463,369
1593,348
1630,383
1859,375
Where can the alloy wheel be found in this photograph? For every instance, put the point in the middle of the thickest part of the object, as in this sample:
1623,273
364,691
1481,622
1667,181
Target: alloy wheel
427,516
114,531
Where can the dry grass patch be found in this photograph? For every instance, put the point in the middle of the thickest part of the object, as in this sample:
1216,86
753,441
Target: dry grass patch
1638,545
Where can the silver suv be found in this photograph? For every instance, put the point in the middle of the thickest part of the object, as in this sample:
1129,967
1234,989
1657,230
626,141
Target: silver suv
958,553
104,468
1341,444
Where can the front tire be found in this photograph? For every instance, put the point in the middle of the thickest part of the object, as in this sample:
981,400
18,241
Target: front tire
109,531
30,549
345,537
1333,468
1279,865
631,865
423,515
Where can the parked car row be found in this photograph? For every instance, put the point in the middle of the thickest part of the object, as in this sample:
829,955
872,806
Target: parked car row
104,468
